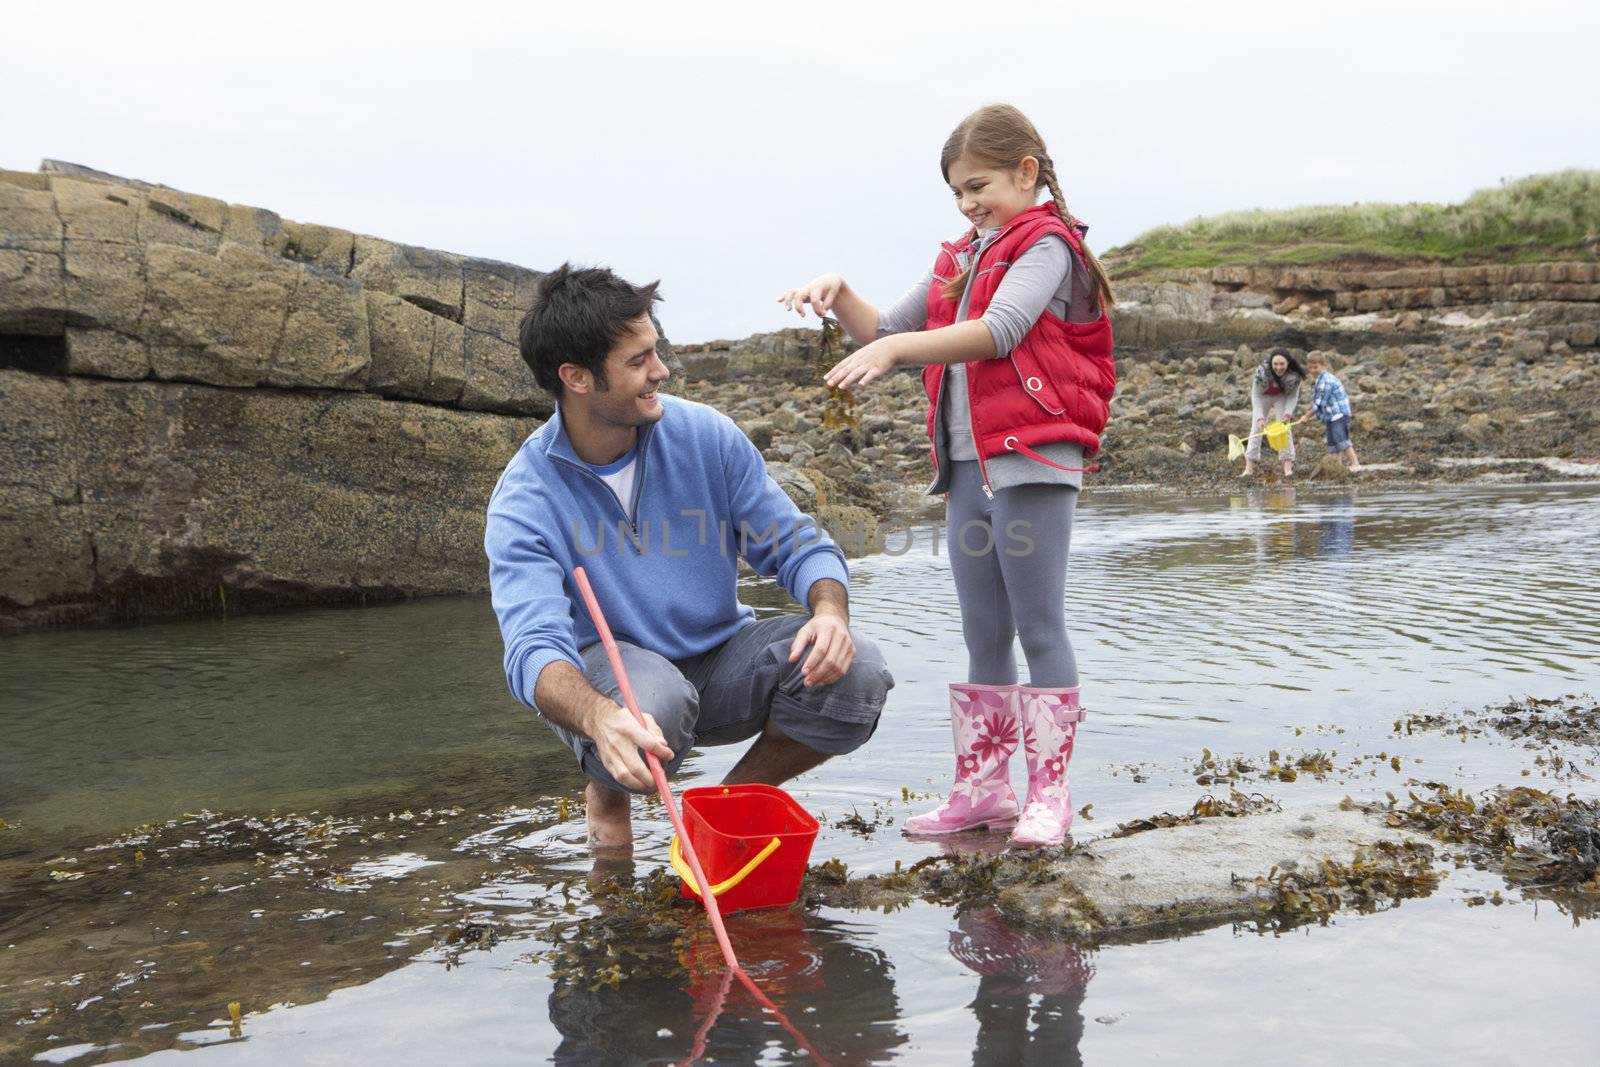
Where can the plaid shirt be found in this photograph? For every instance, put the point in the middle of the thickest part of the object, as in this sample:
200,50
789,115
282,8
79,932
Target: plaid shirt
1329,401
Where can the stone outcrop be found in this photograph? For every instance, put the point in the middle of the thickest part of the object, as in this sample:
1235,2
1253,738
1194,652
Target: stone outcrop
133,281
207,407
1249,303
122,501
795,355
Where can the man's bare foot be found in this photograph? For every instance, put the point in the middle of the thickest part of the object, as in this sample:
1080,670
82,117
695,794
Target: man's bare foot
1288,470
1355,468
1249,469
606,813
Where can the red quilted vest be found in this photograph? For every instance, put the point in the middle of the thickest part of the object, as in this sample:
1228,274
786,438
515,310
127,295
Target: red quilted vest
1057,383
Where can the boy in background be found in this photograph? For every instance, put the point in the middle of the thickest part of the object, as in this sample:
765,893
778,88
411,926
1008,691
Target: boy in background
1331,404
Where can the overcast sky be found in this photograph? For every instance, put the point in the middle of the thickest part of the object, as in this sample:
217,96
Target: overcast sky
735,149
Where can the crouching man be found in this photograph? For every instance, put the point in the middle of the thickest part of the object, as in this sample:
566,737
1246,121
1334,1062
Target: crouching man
657,499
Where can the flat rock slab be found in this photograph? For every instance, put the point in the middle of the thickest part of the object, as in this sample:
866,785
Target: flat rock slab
1278,866
1197,873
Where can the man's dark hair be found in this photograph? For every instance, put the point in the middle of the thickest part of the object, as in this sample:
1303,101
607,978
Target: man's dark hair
578,315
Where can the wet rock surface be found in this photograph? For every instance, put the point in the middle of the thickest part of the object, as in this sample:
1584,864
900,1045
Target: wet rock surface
1247,859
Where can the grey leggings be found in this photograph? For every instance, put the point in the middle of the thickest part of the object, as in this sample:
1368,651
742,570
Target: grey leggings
1009,559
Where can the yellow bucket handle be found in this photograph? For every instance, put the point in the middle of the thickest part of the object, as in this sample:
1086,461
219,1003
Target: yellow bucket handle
682,867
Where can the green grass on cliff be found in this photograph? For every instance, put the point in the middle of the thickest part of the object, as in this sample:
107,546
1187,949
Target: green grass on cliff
1545,216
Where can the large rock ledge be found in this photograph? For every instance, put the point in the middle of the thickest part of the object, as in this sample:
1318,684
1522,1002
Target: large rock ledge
1561,300
129,500
116,279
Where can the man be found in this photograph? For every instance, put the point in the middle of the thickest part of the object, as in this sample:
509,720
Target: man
657,499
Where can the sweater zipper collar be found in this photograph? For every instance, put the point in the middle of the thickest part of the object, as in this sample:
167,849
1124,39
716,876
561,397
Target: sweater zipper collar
561,450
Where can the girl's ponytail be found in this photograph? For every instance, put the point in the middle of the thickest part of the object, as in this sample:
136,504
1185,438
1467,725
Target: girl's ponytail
1099,284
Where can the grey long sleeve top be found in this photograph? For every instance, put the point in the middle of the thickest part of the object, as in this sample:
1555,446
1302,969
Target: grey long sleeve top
1290,393
1040,280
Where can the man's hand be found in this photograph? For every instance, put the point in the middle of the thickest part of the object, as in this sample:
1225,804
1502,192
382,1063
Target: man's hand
832,649
828,634
617,741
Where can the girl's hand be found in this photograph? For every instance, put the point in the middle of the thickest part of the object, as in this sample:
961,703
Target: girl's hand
819,292
863,365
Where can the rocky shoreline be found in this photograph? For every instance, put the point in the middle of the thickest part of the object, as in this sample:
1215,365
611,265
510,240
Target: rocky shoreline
205,407
1497,405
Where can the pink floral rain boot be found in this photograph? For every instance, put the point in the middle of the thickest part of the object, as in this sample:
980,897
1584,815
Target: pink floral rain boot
1050,719
983,719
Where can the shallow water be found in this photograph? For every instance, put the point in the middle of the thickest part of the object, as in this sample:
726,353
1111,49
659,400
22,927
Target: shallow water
339,796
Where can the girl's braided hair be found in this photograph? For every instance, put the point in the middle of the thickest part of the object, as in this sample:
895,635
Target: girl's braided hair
1001,136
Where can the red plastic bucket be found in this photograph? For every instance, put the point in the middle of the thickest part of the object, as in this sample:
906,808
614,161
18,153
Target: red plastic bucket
753,842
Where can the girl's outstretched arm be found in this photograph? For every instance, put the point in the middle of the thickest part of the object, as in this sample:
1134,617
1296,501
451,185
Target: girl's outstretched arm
830,293
961,342
1041,274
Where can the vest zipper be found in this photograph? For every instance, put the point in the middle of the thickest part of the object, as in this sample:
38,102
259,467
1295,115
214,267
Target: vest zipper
972,416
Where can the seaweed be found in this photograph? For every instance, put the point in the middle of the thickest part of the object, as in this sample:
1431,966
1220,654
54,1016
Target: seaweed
838,411
1215,770
1569,720
1207,807
958,880
857,823
1378,877
637,928
1544,845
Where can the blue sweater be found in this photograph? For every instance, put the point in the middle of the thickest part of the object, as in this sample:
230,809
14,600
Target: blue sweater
666,575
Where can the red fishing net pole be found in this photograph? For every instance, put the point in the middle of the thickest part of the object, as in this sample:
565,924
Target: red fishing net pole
659,774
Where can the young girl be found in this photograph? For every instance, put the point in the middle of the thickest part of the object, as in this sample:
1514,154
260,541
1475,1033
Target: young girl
1010,326
1274,392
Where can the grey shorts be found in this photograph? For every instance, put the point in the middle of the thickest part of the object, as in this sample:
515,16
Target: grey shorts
729,693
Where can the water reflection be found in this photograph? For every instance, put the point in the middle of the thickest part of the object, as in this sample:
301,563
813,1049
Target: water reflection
1336,527
1029,998
1325,526
838,992
1029,1002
